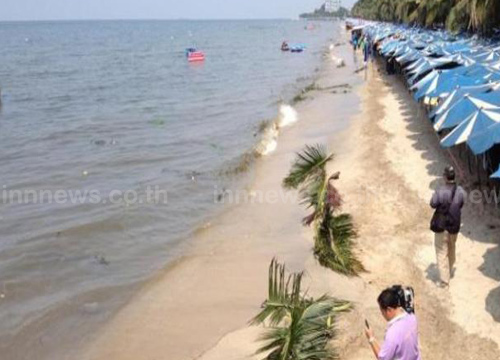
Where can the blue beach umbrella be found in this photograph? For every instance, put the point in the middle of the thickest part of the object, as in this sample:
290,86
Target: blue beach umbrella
463,59
492,77
484,140
449,81
457,47
488,56
419,62
409,56
462,109
477,69
426,66
389,47
496,174
473,125
427,83
402,49
441,82
456,95
424,81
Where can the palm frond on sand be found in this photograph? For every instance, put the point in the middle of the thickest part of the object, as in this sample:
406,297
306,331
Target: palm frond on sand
300,327
333,246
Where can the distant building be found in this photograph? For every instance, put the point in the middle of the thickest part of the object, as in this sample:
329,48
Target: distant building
330,9
332,6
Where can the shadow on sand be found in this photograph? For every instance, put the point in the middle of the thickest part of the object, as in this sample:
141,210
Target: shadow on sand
426,142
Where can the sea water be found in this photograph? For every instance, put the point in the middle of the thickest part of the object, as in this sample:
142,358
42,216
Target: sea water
94,116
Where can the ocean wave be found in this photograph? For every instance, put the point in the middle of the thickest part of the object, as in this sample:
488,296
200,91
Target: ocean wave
267,133
287,116
270,131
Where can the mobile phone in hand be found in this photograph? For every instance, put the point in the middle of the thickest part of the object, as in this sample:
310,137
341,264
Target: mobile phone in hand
367,325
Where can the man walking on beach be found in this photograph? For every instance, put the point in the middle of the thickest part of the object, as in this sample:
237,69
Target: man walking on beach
401,337
447,201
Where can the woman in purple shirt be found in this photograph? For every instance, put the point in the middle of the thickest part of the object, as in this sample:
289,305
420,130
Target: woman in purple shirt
401,336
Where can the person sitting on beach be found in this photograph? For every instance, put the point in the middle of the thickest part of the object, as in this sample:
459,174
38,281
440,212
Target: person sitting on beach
447,201
284,46
401,337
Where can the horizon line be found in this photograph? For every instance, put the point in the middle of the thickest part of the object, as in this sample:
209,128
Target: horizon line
146,19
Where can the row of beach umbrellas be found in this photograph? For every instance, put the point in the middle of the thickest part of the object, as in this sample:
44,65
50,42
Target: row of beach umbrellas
459,77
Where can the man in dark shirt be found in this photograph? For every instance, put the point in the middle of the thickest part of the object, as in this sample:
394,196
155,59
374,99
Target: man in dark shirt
447,201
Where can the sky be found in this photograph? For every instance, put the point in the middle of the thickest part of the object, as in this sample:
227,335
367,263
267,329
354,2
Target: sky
11,10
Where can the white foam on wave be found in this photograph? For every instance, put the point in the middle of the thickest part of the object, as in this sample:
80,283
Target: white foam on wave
269,138
288,116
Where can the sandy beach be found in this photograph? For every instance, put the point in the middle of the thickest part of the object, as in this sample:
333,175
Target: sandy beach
390,162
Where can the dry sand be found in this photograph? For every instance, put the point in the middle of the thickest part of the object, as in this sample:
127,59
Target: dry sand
390,162
398,163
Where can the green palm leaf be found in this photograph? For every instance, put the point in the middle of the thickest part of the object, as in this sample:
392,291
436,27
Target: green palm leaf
309,165
332,245
308,325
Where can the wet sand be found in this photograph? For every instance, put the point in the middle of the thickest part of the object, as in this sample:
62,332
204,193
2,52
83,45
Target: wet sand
390,162
219,286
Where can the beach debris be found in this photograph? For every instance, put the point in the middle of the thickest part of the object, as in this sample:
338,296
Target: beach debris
334,230
2,296
339,62
157,122
221,194
101,259
298,98
336,86
219,149
99,142
293,324
192,175
263,125
85,173
242,163
360,69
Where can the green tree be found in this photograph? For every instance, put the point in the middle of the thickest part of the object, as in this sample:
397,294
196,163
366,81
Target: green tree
473,15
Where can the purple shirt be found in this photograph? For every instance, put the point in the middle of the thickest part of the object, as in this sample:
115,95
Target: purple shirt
401,339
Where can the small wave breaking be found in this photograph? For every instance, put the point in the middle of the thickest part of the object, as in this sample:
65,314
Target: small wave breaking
269,131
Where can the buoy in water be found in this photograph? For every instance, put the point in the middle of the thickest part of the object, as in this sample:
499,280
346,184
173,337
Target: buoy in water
196,56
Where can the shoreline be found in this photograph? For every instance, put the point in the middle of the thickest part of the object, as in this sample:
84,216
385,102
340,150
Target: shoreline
390,162
75,320
187,313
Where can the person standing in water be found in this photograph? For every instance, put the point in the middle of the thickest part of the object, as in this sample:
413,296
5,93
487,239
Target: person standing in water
447,203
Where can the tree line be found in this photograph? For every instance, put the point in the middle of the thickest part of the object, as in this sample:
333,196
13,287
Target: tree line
480,16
